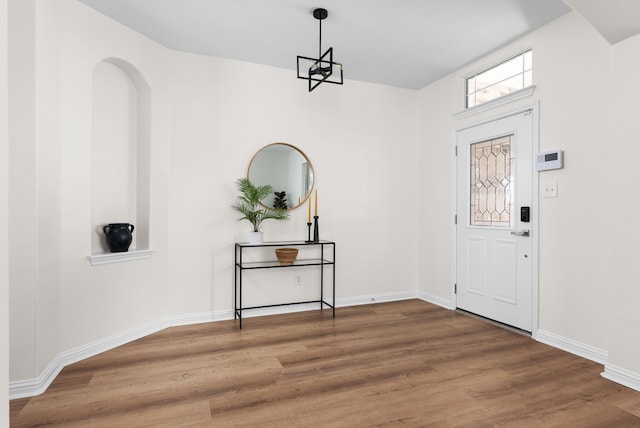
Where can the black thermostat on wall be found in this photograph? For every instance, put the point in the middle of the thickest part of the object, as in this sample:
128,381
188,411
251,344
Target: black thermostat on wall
549,160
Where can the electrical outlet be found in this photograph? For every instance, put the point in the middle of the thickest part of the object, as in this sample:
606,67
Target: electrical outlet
298,279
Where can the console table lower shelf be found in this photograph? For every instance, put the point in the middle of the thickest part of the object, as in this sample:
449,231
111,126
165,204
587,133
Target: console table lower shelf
326,260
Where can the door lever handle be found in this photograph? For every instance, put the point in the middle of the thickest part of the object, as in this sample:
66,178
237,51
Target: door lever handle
521,233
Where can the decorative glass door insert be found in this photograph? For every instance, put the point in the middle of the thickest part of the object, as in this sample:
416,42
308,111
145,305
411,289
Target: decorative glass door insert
491,182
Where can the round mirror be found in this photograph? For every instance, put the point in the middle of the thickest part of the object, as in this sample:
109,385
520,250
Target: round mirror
287,170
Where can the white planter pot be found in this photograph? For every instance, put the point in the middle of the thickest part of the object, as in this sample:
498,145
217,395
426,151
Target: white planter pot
255,238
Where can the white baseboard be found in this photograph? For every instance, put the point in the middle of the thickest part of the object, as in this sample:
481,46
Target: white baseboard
340,303
622,376
585,351
32,387
36,386
201,317
436,300
375,298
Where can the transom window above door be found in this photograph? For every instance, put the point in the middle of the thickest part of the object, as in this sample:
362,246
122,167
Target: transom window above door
508,76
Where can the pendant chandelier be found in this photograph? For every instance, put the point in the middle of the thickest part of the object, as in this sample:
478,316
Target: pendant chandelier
321,69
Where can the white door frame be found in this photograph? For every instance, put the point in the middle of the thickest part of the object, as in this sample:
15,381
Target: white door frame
534,108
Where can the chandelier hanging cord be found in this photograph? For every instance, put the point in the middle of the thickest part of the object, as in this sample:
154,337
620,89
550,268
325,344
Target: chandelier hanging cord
317,67
320,14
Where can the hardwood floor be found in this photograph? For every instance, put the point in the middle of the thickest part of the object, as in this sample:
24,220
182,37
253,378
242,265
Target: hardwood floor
405,363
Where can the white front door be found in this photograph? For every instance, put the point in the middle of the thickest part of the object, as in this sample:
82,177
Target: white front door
493,234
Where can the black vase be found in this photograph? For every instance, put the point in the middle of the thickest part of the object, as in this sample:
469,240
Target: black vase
119,236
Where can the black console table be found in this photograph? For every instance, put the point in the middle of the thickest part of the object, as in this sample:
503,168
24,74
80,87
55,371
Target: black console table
326,252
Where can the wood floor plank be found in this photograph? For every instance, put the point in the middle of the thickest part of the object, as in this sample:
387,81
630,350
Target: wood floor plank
405,363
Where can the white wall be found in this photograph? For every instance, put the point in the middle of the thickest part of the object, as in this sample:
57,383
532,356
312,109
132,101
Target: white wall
101,301
22,211
209,116
59,301
225,111
4,212
435,189
586,235
383,161
622,203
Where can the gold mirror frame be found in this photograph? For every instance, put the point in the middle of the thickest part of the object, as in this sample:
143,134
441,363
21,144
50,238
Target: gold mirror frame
285,168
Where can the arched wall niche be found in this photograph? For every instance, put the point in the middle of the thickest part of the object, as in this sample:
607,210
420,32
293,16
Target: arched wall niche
120,151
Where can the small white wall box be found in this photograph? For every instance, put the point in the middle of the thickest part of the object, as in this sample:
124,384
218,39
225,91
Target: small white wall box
549,160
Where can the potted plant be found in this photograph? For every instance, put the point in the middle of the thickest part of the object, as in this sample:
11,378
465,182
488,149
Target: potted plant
252,210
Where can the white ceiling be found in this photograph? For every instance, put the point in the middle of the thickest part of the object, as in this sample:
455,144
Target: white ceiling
402,43
616,20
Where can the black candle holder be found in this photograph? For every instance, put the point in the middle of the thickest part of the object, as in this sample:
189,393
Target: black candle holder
316,232
308,233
